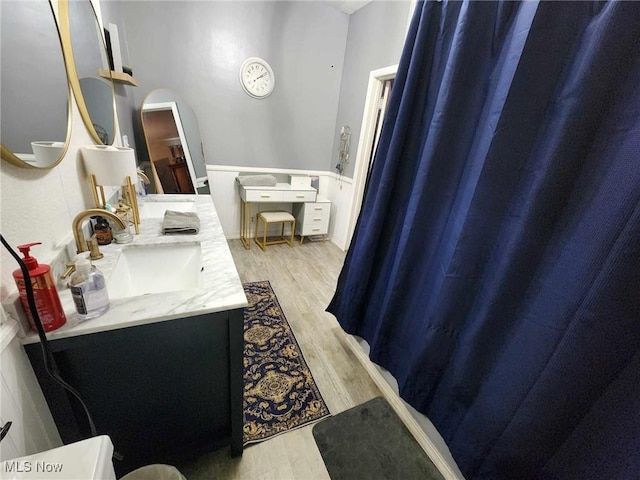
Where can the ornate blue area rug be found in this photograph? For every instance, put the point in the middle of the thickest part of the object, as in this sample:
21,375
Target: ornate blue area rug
279,391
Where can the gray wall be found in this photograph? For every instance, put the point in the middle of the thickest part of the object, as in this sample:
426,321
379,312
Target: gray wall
34,104
112,12
196,49
376,37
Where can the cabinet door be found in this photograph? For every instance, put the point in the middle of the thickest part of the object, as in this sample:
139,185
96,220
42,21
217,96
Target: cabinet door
162,392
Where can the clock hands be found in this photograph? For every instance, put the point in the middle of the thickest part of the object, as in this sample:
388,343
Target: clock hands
258,78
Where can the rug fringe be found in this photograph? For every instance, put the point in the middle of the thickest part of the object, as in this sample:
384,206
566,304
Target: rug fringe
310,424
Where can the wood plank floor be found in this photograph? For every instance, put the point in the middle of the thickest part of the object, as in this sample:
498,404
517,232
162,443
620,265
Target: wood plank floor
304,279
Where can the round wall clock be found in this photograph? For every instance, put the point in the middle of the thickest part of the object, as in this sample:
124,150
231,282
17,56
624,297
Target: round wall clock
256,77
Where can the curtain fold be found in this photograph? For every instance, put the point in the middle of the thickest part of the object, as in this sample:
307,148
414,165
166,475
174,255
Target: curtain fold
494,269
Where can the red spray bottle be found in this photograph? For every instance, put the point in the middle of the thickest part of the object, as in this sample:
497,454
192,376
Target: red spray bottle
44,290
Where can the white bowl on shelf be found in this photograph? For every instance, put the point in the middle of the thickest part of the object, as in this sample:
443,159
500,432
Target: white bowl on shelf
47,153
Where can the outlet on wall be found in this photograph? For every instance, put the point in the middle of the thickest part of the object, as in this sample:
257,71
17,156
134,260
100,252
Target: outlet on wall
125,141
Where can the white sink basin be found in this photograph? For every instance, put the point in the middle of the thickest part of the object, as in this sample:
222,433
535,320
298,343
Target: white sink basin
151,269
157,209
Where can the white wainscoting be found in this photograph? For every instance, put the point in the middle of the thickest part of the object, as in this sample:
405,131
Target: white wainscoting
340,192
222,186
22,401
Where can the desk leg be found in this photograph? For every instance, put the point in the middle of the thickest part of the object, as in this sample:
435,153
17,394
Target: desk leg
245,224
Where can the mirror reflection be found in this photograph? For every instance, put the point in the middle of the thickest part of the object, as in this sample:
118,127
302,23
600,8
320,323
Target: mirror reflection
34,106
98,97
172,135
96,94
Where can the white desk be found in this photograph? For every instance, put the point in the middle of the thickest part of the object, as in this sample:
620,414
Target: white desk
280,193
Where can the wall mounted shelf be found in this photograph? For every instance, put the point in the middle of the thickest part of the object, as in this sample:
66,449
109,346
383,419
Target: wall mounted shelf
118,77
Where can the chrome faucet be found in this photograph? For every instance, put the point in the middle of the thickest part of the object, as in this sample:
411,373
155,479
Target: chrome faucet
81,244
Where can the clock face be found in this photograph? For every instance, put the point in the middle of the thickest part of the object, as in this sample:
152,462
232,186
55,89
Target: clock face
256,77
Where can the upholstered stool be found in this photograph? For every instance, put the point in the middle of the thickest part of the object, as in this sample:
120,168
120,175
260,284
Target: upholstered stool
275,217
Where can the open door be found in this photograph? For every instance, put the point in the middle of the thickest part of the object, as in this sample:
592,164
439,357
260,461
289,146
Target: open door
378,93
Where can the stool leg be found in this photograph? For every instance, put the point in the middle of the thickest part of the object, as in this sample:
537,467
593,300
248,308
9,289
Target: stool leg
293,229
255,231
265,225
264,239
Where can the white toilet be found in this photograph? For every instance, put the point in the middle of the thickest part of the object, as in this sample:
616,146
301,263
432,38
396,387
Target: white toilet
89,459
85,460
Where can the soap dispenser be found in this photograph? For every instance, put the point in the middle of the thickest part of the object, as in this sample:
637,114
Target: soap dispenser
44,290
88,289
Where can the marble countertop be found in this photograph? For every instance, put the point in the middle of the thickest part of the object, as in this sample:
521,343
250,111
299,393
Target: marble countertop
221,287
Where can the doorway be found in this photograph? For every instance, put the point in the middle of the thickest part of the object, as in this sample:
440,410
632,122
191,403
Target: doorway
377,100
381,109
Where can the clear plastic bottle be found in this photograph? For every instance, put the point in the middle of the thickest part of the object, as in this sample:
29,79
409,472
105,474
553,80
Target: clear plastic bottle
89,290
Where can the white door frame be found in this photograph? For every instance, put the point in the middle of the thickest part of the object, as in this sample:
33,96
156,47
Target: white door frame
365,142
153,107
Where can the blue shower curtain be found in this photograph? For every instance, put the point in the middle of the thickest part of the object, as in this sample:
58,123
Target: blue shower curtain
495,266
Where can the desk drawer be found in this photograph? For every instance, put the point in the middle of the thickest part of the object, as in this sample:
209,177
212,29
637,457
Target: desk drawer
319,208
314,229
312,218
264,196
319,219
299,196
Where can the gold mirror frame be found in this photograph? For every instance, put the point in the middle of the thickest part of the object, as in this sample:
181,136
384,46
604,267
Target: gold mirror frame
72,72
185,178
5,152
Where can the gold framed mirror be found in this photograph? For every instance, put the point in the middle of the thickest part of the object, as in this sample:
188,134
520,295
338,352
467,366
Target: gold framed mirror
85,55
174,147
35,100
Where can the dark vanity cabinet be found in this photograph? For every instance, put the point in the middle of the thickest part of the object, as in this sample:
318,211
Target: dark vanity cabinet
164,392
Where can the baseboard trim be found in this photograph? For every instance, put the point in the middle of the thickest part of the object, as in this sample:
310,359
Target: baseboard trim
296,241
401,410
